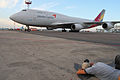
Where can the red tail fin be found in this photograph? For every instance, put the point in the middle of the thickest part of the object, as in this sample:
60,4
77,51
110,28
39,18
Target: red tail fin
100,17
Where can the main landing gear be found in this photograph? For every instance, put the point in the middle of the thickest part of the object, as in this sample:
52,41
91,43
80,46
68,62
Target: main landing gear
28,28
64,30
74,31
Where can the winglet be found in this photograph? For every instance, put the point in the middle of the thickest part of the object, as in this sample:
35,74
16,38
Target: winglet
100,17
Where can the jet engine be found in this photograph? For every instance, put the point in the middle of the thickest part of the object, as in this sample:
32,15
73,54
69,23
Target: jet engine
76,27
107,26
50,28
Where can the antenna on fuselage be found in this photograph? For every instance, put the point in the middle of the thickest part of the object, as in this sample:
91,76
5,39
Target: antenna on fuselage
28,2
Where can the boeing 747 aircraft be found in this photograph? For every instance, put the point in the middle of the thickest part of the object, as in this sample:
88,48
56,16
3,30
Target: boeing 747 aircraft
51,20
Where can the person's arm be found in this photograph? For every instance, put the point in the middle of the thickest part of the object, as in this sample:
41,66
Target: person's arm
91,70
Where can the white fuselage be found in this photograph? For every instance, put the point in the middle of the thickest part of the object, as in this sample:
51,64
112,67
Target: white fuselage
43,18
51,20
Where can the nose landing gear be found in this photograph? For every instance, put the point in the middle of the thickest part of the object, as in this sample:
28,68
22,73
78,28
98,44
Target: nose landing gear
28,28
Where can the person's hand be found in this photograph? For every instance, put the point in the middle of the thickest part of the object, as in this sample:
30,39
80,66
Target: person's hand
91,64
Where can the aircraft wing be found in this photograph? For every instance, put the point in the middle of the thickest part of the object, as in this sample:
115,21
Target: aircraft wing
69,23
114,22
90,23
86,23
100,23
64,23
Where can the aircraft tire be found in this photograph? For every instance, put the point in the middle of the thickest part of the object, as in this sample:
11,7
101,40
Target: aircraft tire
64,31
74,31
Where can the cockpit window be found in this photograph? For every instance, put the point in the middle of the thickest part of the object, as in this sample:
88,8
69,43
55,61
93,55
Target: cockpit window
24,10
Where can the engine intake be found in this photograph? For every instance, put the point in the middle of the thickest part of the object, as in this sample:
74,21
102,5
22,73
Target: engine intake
107,26
104,25
76,27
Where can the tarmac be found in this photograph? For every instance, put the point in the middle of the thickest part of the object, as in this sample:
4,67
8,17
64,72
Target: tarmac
50,55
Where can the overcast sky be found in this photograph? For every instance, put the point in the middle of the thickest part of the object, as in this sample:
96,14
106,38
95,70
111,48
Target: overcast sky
77,8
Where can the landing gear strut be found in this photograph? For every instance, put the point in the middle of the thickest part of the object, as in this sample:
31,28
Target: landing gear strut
64,30
28,28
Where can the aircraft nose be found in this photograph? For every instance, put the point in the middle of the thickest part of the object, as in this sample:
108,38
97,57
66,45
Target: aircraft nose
12,17
17,17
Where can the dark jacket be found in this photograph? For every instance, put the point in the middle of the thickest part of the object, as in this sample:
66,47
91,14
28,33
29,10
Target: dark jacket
117,62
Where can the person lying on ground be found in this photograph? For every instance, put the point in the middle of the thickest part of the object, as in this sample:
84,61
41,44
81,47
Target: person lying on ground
102,70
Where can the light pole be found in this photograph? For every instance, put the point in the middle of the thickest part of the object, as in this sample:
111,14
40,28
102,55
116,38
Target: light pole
28,2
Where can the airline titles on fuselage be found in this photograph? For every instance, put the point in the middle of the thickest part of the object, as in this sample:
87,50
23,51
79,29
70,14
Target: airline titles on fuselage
50,17
45,15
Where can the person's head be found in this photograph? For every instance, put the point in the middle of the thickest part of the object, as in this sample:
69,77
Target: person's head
85,64
86,60
117,62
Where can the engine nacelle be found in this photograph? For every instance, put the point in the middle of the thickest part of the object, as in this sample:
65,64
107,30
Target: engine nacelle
107,26
50,28
76,27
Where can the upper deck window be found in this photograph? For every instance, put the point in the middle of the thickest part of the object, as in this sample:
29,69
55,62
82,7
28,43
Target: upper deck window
24,10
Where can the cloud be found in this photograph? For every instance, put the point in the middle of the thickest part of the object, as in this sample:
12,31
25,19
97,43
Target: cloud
8,3
47,6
